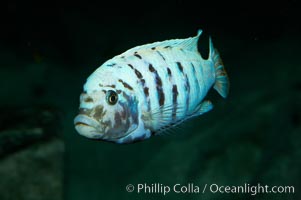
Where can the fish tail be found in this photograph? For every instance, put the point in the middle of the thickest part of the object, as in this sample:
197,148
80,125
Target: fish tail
221,84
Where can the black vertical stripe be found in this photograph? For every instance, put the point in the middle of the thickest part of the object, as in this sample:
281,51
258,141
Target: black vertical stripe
160,54
168,71
186,84
160,90
137,55
196,82
180,66
187,87
131,66
125,84
142,83
138,73
146,91
193,68
158,81
151,68
146,95
174,101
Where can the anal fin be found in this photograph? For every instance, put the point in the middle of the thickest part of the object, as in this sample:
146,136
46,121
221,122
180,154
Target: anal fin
204,107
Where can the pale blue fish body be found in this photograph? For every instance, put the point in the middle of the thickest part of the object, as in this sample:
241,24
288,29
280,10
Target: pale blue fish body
149,89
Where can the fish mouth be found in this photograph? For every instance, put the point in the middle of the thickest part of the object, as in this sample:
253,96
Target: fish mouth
88,127
81,124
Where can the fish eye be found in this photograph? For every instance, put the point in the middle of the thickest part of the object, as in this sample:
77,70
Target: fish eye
111,97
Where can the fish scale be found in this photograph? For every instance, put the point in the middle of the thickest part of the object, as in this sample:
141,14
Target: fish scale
154,86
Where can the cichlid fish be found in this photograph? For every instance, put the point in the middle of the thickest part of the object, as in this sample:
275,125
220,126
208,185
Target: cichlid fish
149,89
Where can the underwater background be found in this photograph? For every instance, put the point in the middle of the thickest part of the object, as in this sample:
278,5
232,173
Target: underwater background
49,48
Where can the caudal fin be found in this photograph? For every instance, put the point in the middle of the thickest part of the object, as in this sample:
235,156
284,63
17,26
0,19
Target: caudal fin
221,78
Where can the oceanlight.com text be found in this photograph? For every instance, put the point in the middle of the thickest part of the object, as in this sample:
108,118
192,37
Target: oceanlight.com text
192,188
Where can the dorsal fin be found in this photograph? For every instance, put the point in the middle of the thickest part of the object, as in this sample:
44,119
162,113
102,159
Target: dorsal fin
189,44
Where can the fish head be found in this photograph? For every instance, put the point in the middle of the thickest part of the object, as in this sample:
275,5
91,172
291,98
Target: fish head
107,114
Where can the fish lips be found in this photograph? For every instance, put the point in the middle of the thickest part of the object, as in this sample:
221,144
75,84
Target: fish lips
88,127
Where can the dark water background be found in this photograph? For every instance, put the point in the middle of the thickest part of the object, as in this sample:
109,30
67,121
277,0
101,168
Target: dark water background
49,48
